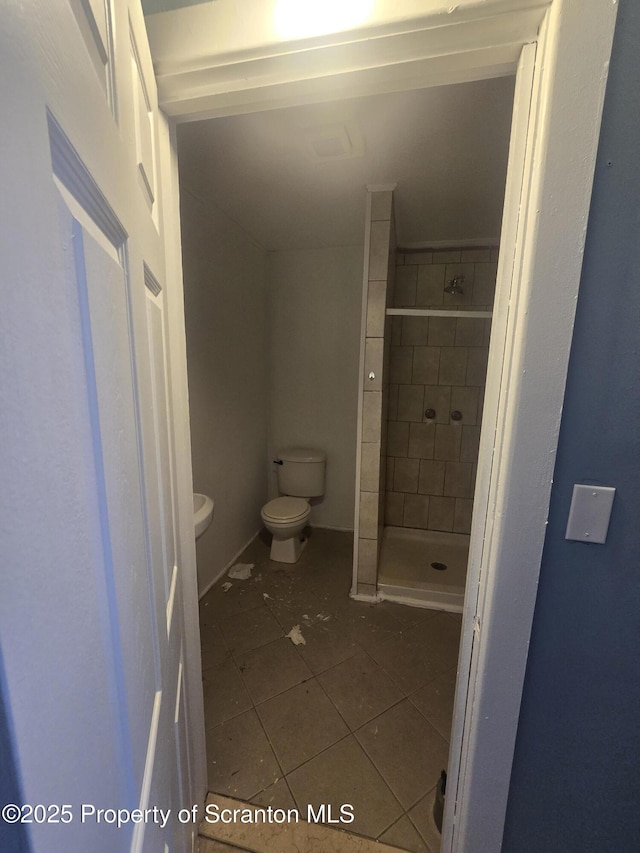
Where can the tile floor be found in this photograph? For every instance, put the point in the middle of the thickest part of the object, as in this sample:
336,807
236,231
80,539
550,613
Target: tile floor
359,714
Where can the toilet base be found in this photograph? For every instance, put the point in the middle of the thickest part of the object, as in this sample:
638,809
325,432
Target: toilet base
287,550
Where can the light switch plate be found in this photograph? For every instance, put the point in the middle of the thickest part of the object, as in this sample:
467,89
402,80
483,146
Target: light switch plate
590,513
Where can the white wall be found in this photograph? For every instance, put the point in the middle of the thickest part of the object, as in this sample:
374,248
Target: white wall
314,305
225,311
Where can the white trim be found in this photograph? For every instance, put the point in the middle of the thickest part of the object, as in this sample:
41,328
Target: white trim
226,568
406,44
178,394
569,79
171,599
137,839
454,803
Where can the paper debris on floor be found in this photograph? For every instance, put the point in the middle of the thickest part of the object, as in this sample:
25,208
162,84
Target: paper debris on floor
319,617
266,595
295,635
226,586
241,571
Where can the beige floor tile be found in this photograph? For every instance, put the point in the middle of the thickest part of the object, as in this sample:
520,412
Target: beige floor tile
238,599
326,644
289,606
367,623
405,661
440,637
240,761
332,591
272,669
214,649
406,616
278,796
333,579
407,751
275,578
341,775
412,647
359,689
301,723
245,631
287,837
435,702
210,845
405,836
422,818
225,695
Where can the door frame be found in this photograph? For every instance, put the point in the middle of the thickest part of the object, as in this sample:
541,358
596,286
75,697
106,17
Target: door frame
561,55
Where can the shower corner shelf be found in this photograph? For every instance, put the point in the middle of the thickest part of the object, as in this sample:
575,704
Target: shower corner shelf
437,312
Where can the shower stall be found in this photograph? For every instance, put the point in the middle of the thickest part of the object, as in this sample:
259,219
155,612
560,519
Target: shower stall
426,329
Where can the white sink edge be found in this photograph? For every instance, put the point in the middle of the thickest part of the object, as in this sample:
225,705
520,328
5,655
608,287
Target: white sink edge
202,513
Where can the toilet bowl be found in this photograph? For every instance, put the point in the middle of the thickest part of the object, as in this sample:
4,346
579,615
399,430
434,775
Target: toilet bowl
300,474
285,518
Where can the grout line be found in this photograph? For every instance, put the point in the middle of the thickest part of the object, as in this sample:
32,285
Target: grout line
326,601
415,826
272,748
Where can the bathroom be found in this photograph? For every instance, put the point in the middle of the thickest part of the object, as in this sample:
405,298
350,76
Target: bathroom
273,229
274,304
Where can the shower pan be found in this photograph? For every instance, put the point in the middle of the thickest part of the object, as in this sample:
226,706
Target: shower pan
427,567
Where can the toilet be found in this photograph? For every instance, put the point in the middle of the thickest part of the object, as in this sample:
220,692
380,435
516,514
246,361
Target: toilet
300,474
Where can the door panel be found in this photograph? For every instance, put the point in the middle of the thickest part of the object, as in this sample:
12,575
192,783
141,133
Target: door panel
160,486
102,718
94,19
103,289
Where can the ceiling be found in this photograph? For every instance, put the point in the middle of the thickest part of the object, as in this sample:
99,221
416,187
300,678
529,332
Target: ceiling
446,148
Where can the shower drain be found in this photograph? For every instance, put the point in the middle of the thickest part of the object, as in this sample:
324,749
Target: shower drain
441,567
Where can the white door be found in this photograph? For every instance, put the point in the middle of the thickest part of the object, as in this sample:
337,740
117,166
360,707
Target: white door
95,565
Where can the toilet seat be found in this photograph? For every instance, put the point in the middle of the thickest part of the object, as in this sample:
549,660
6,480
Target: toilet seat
286,510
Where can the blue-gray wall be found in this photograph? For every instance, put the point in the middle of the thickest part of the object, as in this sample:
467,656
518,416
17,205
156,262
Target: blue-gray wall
575,784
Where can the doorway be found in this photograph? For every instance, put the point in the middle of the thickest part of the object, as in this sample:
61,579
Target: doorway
258,203
537,330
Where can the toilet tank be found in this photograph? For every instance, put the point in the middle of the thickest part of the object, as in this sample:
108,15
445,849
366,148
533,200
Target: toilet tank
302,472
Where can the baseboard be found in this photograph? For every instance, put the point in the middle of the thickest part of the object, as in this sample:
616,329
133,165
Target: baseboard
428,599
359,596
228,566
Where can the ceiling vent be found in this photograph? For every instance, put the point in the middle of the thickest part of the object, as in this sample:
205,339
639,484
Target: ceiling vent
334,142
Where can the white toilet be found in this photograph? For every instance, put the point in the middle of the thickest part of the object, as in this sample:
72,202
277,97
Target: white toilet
300,477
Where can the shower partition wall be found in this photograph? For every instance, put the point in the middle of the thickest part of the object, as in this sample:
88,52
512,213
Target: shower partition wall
375,347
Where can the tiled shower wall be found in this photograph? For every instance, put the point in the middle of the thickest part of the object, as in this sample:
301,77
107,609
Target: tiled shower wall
437,363
377,297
